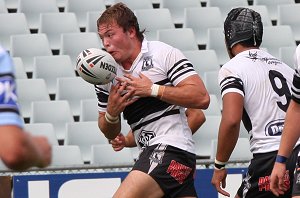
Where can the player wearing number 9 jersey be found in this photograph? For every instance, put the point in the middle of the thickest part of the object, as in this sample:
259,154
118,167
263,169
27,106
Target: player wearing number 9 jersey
255,88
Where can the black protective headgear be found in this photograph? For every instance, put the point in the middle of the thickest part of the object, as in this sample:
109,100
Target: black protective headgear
243,24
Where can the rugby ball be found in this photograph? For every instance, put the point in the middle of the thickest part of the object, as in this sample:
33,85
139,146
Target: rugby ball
96,66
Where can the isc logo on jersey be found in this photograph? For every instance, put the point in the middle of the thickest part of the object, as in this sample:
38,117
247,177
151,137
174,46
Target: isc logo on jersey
7,92
96,66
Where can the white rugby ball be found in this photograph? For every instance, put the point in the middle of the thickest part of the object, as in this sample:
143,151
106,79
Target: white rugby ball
96,66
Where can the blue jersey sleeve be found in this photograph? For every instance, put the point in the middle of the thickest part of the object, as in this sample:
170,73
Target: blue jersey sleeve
9,110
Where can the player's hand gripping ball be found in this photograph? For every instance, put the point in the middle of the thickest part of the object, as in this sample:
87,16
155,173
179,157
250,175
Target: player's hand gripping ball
96,66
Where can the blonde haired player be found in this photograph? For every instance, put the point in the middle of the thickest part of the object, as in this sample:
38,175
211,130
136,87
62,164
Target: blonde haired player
155,83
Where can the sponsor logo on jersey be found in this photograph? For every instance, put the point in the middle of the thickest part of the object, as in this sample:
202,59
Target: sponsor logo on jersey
147,63
274,128
268,60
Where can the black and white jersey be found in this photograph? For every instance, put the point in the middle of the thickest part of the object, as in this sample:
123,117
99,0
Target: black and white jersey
9,111
296,80
154,121
265,83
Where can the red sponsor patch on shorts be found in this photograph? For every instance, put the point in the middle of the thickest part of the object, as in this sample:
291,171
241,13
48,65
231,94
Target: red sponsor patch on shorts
179,171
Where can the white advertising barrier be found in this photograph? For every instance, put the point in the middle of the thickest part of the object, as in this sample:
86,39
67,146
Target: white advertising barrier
78,188
103,185
233,182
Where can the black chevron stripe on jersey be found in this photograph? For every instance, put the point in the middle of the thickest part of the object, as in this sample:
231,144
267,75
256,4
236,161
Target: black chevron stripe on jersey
296,87
181,67
144,107
102,97
232,82
167,113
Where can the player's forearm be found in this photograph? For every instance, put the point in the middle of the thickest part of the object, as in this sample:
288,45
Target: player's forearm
23,152
110,129
291,130
227,139
195,119
188,95
129,140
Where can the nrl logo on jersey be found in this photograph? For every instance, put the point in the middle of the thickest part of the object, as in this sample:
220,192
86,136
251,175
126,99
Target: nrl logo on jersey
147,63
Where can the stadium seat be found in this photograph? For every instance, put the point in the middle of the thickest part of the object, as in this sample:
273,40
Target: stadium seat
226,6
74,43
104,155
30,90
205,134
80,8
74,89
50,68
240,152
196,18
66,156
154,19
91,24
264,13
177,7
88,110
56,112
156,2
133,4
20,72
212,84
54,24
272,6
214,107
175,38
287,15
42,129
61,3
32,10
203,60
27,46
215,41
84,134
12,24
12,4
3,8
286,54
273,39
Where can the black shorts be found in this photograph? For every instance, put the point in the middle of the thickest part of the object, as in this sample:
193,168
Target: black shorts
256,183
296,183
172,168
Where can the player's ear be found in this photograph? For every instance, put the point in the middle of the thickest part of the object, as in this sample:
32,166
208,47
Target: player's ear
132,32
